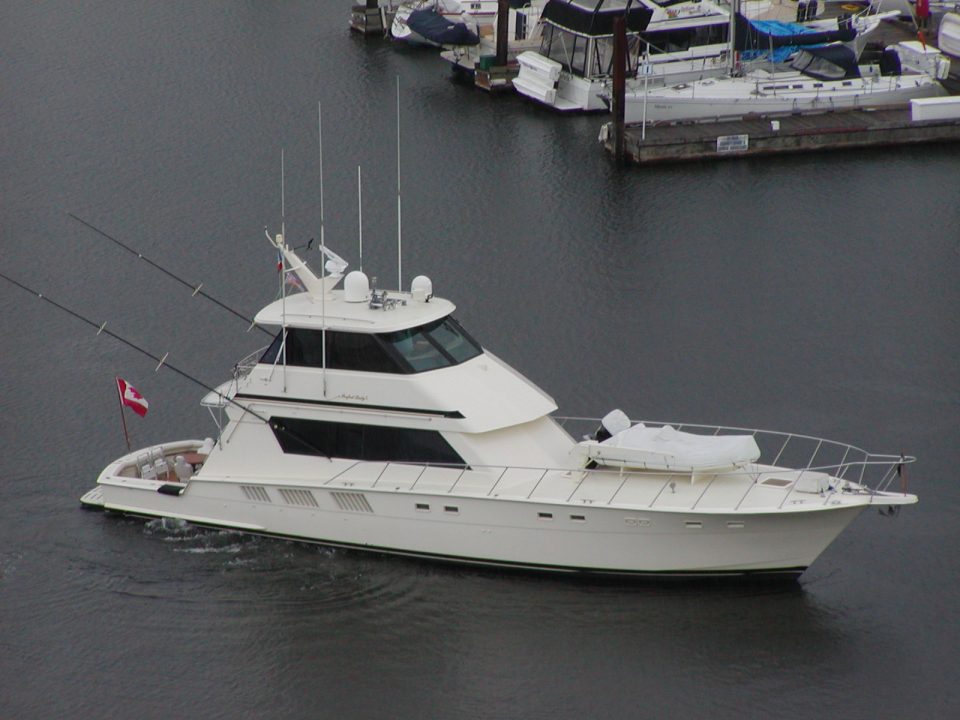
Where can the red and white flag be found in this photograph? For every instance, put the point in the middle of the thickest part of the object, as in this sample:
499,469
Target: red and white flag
130,397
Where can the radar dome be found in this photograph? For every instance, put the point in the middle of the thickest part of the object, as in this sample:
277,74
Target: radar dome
356,287
421,288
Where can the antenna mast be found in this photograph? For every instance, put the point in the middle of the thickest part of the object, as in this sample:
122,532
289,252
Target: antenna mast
282,268
323,260
399,233
360,214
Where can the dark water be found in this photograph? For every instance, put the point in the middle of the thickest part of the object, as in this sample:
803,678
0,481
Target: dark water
817,294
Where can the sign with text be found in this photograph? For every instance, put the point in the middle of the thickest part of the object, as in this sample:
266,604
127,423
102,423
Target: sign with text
732,143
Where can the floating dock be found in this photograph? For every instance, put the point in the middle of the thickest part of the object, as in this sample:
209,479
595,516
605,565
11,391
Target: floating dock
789,134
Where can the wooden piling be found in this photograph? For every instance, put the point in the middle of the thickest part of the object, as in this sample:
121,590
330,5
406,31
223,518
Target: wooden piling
619,84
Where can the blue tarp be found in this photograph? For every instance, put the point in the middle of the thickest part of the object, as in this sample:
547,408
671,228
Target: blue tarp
432,26
777,40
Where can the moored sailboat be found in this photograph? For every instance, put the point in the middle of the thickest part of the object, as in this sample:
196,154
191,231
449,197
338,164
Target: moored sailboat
821,79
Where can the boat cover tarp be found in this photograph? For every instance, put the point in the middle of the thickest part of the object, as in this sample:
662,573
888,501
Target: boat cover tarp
767,35
830,62
434,27
595,18
666,448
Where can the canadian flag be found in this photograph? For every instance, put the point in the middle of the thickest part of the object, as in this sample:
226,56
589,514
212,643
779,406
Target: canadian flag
130,397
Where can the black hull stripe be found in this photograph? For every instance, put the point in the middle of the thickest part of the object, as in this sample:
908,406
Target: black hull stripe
787,573
456,414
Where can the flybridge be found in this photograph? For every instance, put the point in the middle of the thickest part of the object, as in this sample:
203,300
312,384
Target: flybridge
319,305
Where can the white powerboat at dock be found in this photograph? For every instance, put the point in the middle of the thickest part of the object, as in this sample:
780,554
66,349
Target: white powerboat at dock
374,421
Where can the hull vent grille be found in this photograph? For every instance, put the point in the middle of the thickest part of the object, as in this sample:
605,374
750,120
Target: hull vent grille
299,497
353,502
255,493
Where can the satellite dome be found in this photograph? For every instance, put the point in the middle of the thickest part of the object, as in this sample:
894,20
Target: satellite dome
421,288
356,287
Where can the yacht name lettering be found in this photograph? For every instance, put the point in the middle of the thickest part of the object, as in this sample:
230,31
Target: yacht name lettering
358,398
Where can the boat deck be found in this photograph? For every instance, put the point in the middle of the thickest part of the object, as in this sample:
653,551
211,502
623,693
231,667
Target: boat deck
753,488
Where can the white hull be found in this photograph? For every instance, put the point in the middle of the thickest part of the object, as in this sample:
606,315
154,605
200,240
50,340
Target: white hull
565,521
731,98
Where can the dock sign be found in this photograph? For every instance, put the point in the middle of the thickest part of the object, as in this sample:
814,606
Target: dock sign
732,143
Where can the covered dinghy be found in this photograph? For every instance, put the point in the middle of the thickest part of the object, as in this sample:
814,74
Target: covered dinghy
666,448
432,26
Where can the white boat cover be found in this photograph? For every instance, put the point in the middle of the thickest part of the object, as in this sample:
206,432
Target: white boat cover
948,37
666,448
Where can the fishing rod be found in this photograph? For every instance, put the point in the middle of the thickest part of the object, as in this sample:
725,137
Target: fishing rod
162,363
195,290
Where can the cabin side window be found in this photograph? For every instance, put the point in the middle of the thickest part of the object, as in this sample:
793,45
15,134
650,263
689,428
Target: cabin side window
363,442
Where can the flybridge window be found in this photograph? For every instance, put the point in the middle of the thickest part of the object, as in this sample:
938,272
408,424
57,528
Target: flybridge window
441,343
363,442
438,344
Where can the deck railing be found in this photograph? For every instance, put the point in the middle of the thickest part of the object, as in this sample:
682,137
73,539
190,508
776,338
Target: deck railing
870,472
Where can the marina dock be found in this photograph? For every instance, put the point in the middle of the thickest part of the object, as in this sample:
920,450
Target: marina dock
790,134
758,135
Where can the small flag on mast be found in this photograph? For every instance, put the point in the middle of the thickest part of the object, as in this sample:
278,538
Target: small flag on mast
131,397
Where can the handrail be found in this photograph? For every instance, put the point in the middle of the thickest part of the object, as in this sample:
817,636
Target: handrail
840,461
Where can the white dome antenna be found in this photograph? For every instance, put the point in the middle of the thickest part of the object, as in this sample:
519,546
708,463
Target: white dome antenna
356,287
421,289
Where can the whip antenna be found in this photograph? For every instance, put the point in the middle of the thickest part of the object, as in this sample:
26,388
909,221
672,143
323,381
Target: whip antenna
399,234
360,214
323,266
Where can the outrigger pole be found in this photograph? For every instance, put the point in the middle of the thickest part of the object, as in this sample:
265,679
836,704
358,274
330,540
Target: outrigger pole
194,290
162,362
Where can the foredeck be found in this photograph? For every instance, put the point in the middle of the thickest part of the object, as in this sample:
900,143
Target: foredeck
795,472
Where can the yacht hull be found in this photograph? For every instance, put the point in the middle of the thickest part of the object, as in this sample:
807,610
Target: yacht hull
739,97
522,533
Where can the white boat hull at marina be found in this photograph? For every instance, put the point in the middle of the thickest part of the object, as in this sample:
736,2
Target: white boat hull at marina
745,96
769,93
564,521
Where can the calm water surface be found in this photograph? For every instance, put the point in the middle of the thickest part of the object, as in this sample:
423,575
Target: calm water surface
817,294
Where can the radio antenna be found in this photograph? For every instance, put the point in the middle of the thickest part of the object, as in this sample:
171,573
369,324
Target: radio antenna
360,214
399,233
323,261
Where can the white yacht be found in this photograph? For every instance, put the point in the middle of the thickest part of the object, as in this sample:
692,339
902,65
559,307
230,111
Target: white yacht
374,421
817,80
568,73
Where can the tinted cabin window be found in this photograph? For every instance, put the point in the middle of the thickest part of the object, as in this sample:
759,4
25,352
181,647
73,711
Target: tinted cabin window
441,343
362,442
437,344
